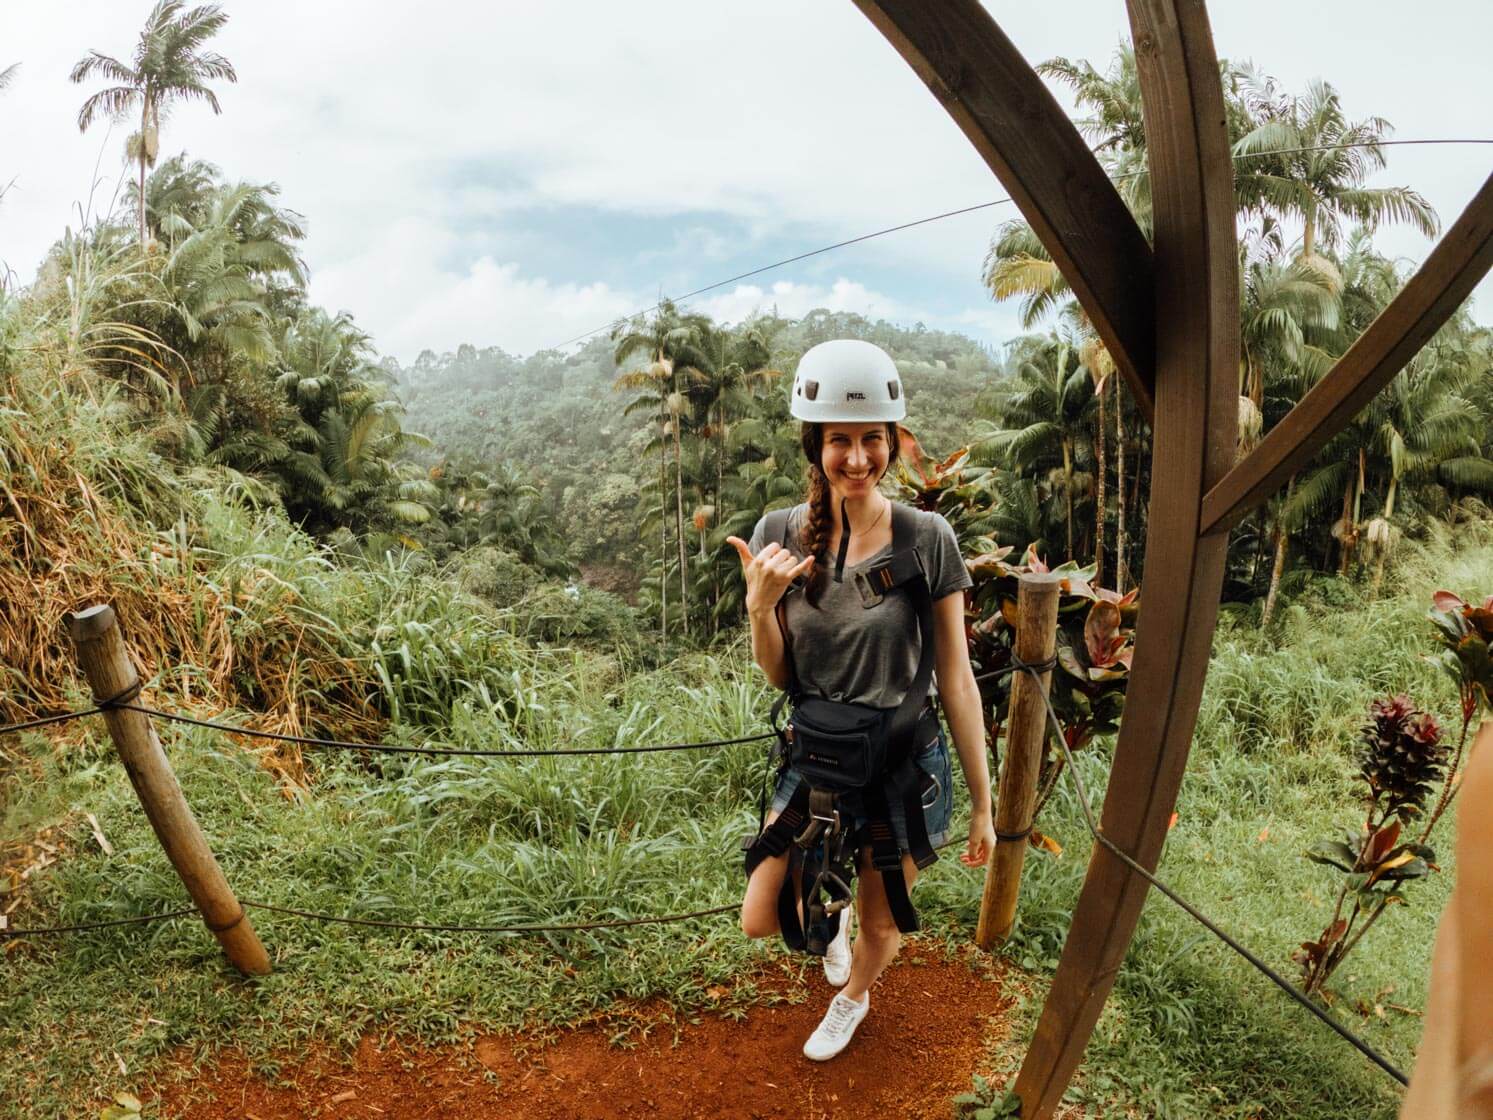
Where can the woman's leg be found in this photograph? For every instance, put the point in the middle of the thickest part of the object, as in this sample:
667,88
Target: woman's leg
879,938
759,909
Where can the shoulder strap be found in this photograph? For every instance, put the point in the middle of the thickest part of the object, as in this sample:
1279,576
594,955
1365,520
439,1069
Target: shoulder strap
775,526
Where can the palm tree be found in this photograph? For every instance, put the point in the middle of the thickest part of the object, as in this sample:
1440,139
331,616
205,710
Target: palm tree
216,270
736,371
1322,187
1043,413
1114,98
1018,265
1096,359
168,65
1283,304
183,196
671,341
1286,308
1428,428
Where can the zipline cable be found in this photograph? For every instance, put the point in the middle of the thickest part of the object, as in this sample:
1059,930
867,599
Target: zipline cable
384,748
312,915
522,929
1197,915
971,209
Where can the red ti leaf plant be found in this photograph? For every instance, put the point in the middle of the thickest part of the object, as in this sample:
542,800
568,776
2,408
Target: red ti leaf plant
1096,626
1095,641
1465,633
1400,760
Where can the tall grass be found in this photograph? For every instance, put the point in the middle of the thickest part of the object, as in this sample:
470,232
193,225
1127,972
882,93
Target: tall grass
509,841
1192,1029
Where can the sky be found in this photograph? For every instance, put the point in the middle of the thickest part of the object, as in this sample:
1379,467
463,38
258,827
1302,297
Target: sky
514,174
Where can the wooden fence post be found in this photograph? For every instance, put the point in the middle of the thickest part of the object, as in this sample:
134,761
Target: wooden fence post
1026,735
111,674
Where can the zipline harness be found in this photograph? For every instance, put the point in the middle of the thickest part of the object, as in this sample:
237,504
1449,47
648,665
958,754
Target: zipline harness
850,757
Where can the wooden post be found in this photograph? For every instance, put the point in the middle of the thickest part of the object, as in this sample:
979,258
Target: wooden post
1026,734
106,664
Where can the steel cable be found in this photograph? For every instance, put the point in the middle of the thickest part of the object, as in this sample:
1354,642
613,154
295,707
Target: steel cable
384,748
984,206
1197,915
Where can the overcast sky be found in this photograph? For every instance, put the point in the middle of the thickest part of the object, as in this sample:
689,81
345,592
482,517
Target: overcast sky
514,174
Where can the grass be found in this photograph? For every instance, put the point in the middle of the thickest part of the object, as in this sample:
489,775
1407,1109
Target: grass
1191,1029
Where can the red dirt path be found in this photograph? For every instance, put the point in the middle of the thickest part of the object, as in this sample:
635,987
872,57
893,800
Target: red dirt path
932,1023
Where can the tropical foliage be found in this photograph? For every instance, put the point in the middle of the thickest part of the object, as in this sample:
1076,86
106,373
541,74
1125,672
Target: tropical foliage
1421,449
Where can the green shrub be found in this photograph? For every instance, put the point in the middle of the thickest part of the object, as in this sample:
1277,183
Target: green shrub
575,612
495,575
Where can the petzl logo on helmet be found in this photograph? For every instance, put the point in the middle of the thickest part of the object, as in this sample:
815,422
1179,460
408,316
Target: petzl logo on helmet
855,396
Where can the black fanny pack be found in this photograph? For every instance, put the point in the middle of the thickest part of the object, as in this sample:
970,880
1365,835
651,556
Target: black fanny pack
839,746
846,747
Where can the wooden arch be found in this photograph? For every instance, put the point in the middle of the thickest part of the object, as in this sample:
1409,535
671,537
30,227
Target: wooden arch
1169,315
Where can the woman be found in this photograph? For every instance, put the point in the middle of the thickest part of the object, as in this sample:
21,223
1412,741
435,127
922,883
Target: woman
849,397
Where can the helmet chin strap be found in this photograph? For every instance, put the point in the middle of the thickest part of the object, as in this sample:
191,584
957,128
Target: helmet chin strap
844,541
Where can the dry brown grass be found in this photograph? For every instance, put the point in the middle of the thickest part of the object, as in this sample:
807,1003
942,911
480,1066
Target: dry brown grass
64,545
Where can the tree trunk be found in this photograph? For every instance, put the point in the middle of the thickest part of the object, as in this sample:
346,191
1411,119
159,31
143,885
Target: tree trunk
663,529
1282,539
142,198
1122,575
679,526
1344,544
720,509
1099,495
1389,510
1068,492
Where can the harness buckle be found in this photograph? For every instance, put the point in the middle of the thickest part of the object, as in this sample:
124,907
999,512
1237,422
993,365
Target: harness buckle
822,808
870,597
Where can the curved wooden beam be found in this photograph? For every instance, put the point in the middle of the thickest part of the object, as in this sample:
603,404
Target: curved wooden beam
1022,133
1449,274
1197,362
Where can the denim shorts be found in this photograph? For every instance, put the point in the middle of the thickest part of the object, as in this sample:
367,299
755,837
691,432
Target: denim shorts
938,803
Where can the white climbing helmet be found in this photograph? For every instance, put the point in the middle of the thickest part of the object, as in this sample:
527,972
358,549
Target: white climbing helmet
848,380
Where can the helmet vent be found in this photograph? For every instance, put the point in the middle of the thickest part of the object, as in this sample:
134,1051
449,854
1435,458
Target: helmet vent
811,389
894,390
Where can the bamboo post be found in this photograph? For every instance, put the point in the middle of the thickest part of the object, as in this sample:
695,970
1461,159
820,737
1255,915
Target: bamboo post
111,674
1026,732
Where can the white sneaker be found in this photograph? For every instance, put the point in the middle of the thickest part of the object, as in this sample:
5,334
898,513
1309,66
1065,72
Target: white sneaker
837,955
835,1029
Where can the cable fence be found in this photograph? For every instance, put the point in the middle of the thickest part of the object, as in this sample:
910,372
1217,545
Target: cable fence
124,700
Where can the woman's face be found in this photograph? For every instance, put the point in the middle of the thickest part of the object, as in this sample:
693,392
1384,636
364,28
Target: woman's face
855,457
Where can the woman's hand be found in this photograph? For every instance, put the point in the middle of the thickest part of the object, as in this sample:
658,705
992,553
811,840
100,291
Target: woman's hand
981,840
769,573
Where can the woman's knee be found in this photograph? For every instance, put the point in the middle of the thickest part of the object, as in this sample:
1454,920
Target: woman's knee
755,922
878,927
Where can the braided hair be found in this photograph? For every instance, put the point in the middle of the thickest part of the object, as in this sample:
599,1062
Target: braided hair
819,520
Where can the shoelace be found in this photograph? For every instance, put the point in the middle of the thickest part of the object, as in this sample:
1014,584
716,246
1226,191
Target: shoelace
841,1011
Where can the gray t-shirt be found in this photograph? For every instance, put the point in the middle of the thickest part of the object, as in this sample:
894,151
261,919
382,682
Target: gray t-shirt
865,655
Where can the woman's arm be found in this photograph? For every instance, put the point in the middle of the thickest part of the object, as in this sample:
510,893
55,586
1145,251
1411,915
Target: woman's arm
767,576
960,697
767,645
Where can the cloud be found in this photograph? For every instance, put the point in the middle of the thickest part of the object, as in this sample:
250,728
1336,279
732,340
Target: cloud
399,283
775,122
792,299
